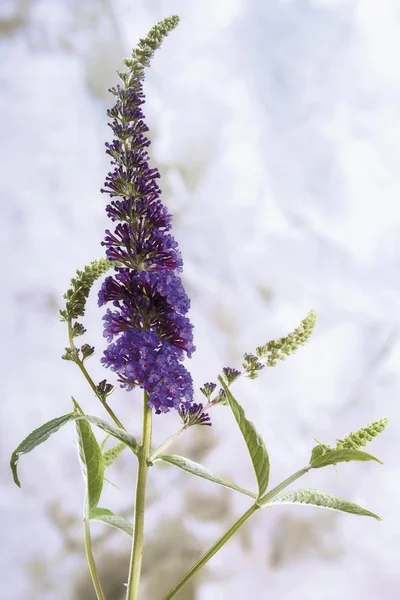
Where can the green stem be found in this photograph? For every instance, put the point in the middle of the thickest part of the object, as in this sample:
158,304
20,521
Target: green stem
218,545
210,553
165,445
91,562
135,566
281,486
90,381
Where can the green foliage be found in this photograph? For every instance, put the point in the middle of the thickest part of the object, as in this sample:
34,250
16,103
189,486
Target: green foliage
254,442
119,434
200,471
362,436
322,499
142,55
281,348
112,454
92,463
336,456
42,433
78,293
37,437
103,515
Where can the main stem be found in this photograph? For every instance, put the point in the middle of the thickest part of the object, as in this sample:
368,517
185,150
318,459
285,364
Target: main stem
135,566
91,562
210,553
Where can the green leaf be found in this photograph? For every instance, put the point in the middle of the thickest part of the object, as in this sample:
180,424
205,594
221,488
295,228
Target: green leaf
255,443
112,454
322,499
318,451
200,471
92,463
103,515
119,434
336,456
37,437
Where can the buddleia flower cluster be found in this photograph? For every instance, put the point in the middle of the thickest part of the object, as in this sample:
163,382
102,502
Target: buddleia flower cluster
147,328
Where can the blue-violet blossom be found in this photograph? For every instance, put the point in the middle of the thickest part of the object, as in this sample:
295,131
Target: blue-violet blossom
147,330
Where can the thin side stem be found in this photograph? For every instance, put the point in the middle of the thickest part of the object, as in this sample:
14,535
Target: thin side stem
210,553
91,561
135,566
165,445
90,381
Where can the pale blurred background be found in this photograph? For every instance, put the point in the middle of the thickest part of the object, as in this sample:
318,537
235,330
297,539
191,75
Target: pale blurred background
276,125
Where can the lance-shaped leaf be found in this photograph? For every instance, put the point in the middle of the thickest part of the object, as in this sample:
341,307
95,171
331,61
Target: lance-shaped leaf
200,471
119,434
92,463
37,437
336,456
103,515
254,442
322,499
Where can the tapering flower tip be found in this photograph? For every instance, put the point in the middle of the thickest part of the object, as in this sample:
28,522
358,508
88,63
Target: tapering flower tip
230,374
251,365
208,389
142,55
79,291
362,436
281,348
193,414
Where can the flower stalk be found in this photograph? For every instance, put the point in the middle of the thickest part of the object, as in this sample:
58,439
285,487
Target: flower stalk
91,561
135,566
90,381
212,551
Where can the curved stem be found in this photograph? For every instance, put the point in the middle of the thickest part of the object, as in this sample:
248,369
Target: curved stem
90,381
135,566
210,553
91,562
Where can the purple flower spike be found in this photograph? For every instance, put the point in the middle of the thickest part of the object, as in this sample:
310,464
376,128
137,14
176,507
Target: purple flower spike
147,330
